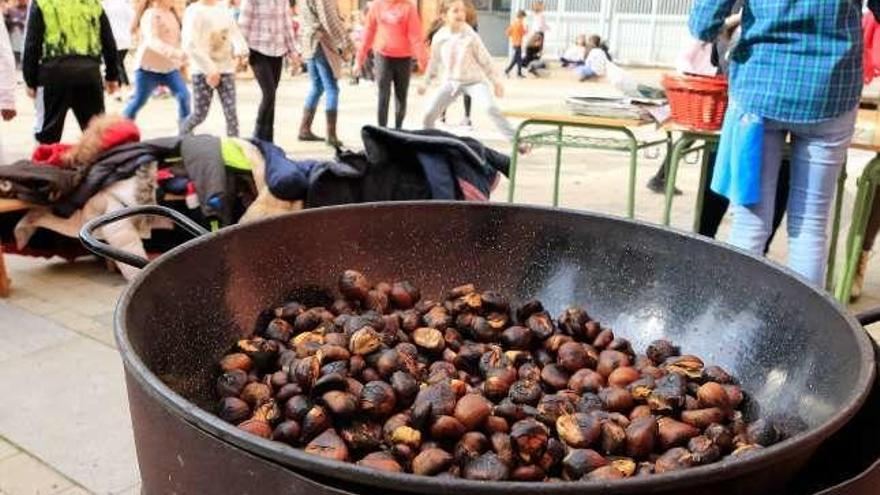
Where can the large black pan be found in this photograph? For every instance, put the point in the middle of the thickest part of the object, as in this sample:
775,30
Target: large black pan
796,351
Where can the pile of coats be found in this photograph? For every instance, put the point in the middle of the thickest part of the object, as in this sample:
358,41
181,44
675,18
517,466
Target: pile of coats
224,180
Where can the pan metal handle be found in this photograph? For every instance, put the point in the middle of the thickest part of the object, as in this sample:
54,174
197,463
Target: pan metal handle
87,234
869,317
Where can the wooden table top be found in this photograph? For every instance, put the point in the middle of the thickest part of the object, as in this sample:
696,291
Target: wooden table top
7,205
866,136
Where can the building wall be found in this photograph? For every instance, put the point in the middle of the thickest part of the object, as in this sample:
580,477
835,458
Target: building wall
640,32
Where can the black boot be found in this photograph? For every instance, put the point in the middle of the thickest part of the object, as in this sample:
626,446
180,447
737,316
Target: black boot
305,127
332,138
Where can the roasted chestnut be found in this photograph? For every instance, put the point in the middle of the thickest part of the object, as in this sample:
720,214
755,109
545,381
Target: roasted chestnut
431,461
329,445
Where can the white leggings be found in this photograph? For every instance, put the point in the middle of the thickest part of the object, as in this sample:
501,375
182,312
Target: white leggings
482,97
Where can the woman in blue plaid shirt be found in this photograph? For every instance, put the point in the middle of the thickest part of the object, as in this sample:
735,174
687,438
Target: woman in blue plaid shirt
796,71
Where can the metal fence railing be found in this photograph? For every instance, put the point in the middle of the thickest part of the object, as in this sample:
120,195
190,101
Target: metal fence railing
644,32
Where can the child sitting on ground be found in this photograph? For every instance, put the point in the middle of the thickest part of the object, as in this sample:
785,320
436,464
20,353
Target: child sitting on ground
533,52
597,60
468,64
576,54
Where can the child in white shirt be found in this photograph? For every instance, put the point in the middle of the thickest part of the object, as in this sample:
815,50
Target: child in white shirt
597,61
7,81
215,46
576,54
468,64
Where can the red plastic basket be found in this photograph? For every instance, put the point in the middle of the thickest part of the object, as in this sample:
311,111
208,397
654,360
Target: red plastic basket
697,102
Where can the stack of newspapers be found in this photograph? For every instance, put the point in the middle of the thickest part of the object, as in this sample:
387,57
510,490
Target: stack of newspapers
644,109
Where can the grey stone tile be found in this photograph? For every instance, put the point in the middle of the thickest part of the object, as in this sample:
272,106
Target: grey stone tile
73,413
22,474
132,490
76,490
84,325
22,332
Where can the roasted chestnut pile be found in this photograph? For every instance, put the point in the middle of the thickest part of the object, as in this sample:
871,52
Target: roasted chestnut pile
473,388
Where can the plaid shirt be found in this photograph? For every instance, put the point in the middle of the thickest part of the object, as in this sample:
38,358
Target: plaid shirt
321,22
268,27
797,60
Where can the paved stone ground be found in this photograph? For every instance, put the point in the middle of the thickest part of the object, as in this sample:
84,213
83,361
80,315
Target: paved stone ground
64,426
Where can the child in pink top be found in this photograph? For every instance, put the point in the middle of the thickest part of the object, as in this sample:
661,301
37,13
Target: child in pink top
394,33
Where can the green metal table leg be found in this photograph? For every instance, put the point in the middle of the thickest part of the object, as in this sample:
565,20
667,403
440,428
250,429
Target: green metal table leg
514,158
701,192
633,169
633,166
558,166
861,213
835,230
671,173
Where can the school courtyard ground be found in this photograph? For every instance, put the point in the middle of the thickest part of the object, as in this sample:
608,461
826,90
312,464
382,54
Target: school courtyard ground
64,422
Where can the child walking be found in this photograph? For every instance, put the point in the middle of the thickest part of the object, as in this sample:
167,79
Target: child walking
65,42
515,33
213,42
394,34
159,59
468,63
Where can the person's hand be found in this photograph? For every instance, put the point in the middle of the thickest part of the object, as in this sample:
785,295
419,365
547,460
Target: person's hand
422,89
346,54
213,80
112,87
8,114
499,90
241,64
32,93
296,63
729,27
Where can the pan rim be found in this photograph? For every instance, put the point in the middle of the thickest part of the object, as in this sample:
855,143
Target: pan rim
346,473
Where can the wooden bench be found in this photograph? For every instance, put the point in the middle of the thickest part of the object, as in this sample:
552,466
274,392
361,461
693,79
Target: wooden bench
13,205
7,206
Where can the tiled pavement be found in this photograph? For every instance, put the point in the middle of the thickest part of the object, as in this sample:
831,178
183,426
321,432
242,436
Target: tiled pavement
64,424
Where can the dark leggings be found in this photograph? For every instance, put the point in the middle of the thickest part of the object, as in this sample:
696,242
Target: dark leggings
516,60
123,74
267,72
398,71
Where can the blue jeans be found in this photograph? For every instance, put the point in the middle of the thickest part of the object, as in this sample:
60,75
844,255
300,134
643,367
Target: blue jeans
585,72
818,153
146,82
323,81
